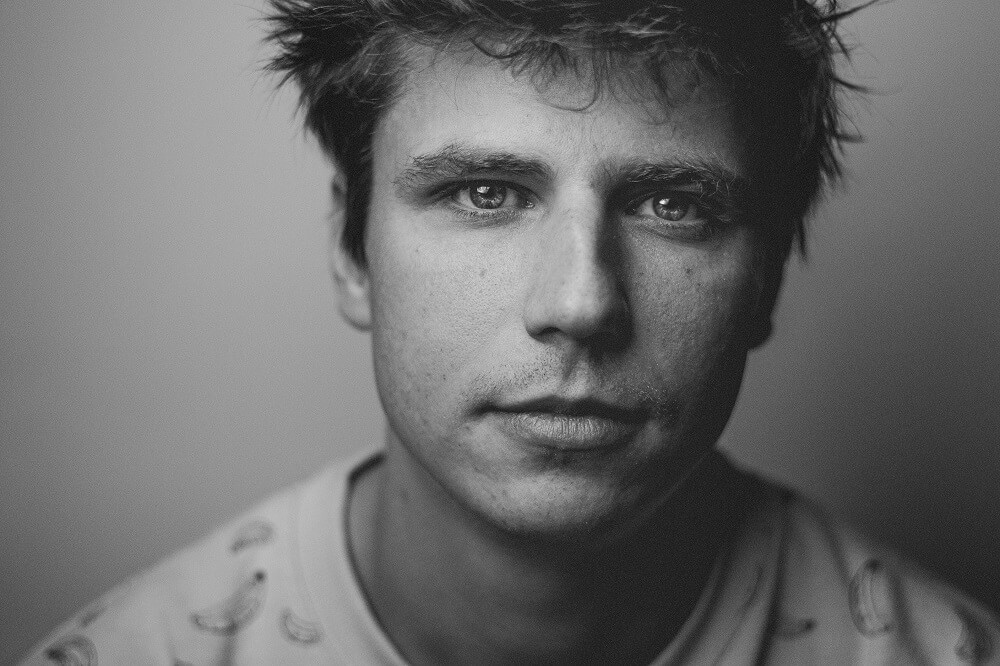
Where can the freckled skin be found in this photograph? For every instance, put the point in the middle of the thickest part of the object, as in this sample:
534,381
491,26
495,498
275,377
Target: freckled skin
478,543
460,314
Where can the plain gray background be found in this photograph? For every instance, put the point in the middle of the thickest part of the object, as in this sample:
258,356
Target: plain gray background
170,350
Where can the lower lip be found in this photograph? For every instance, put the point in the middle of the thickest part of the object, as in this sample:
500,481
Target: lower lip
567,433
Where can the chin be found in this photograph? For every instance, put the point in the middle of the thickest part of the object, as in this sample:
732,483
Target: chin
558,510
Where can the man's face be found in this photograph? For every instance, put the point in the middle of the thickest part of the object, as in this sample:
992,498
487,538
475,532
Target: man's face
559,298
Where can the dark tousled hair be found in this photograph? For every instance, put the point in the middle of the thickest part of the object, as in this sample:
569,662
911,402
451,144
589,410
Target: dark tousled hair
774,58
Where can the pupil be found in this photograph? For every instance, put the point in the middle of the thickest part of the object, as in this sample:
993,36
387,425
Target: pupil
670,209
488,196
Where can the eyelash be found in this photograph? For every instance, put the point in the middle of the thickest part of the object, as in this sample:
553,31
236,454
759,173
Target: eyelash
710,215
448,193
705,223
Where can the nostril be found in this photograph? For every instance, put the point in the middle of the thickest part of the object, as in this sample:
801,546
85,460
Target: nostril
575,287
579,306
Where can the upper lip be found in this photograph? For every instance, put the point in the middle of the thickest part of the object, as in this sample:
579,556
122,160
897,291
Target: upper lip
579,407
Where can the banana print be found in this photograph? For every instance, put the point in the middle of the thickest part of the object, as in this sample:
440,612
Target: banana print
975,646
299,630
259,578
255,533
871,598
232,614
73,651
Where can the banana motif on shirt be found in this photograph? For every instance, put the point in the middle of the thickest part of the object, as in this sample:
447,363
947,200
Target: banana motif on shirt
976,645
233,613
254,533
73,651
872,599
299,630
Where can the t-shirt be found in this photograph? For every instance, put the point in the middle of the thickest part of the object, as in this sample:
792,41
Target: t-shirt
277,586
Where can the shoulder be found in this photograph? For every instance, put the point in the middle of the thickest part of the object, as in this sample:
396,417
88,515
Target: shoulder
197,605
868,602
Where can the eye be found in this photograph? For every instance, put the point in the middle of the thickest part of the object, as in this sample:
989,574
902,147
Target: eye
485,195
670,206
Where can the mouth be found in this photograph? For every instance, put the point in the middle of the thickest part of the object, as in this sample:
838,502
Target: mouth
567,424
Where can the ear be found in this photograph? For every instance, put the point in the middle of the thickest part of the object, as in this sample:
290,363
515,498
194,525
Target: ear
349,278
762,317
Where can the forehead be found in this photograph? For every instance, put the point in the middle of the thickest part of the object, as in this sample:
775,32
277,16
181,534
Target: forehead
569,117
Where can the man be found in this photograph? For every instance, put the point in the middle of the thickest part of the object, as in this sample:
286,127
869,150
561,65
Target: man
565,226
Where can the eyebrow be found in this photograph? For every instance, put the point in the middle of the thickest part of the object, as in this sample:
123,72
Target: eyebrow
714,178
461,162
457,162
720,190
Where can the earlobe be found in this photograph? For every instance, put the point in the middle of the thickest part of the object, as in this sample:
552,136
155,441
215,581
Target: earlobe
349,278
761,324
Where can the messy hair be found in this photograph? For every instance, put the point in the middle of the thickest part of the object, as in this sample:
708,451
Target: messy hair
774,59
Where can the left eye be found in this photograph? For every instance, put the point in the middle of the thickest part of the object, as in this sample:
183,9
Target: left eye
489,196
672,207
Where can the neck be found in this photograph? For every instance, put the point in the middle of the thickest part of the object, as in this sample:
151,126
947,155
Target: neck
450,590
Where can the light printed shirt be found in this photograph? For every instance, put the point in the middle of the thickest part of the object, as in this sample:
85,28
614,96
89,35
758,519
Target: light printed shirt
277,586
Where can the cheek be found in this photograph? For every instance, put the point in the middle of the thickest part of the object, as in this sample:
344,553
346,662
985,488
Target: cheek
696,315
433,307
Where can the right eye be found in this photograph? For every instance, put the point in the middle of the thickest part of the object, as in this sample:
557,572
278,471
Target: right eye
485,195
676,207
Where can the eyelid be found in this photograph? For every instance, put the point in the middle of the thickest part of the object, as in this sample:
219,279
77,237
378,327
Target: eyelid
525,195
693,197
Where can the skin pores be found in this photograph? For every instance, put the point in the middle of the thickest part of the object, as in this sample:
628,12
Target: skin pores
559,308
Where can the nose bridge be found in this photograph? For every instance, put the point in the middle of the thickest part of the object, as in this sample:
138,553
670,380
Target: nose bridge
575,287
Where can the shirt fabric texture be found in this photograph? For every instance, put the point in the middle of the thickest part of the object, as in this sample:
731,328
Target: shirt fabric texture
277,586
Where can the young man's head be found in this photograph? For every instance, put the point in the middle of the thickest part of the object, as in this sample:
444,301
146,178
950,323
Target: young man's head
775,60
565,225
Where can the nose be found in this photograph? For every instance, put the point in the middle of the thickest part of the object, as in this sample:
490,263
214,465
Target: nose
575,288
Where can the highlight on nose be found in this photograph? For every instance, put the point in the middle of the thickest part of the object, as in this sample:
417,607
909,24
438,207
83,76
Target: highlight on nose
575,288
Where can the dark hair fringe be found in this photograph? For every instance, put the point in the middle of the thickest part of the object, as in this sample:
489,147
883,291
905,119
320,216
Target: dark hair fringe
345,57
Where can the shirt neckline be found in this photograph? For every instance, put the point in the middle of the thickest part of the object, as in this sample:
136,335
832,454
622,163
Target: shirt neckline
732,607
